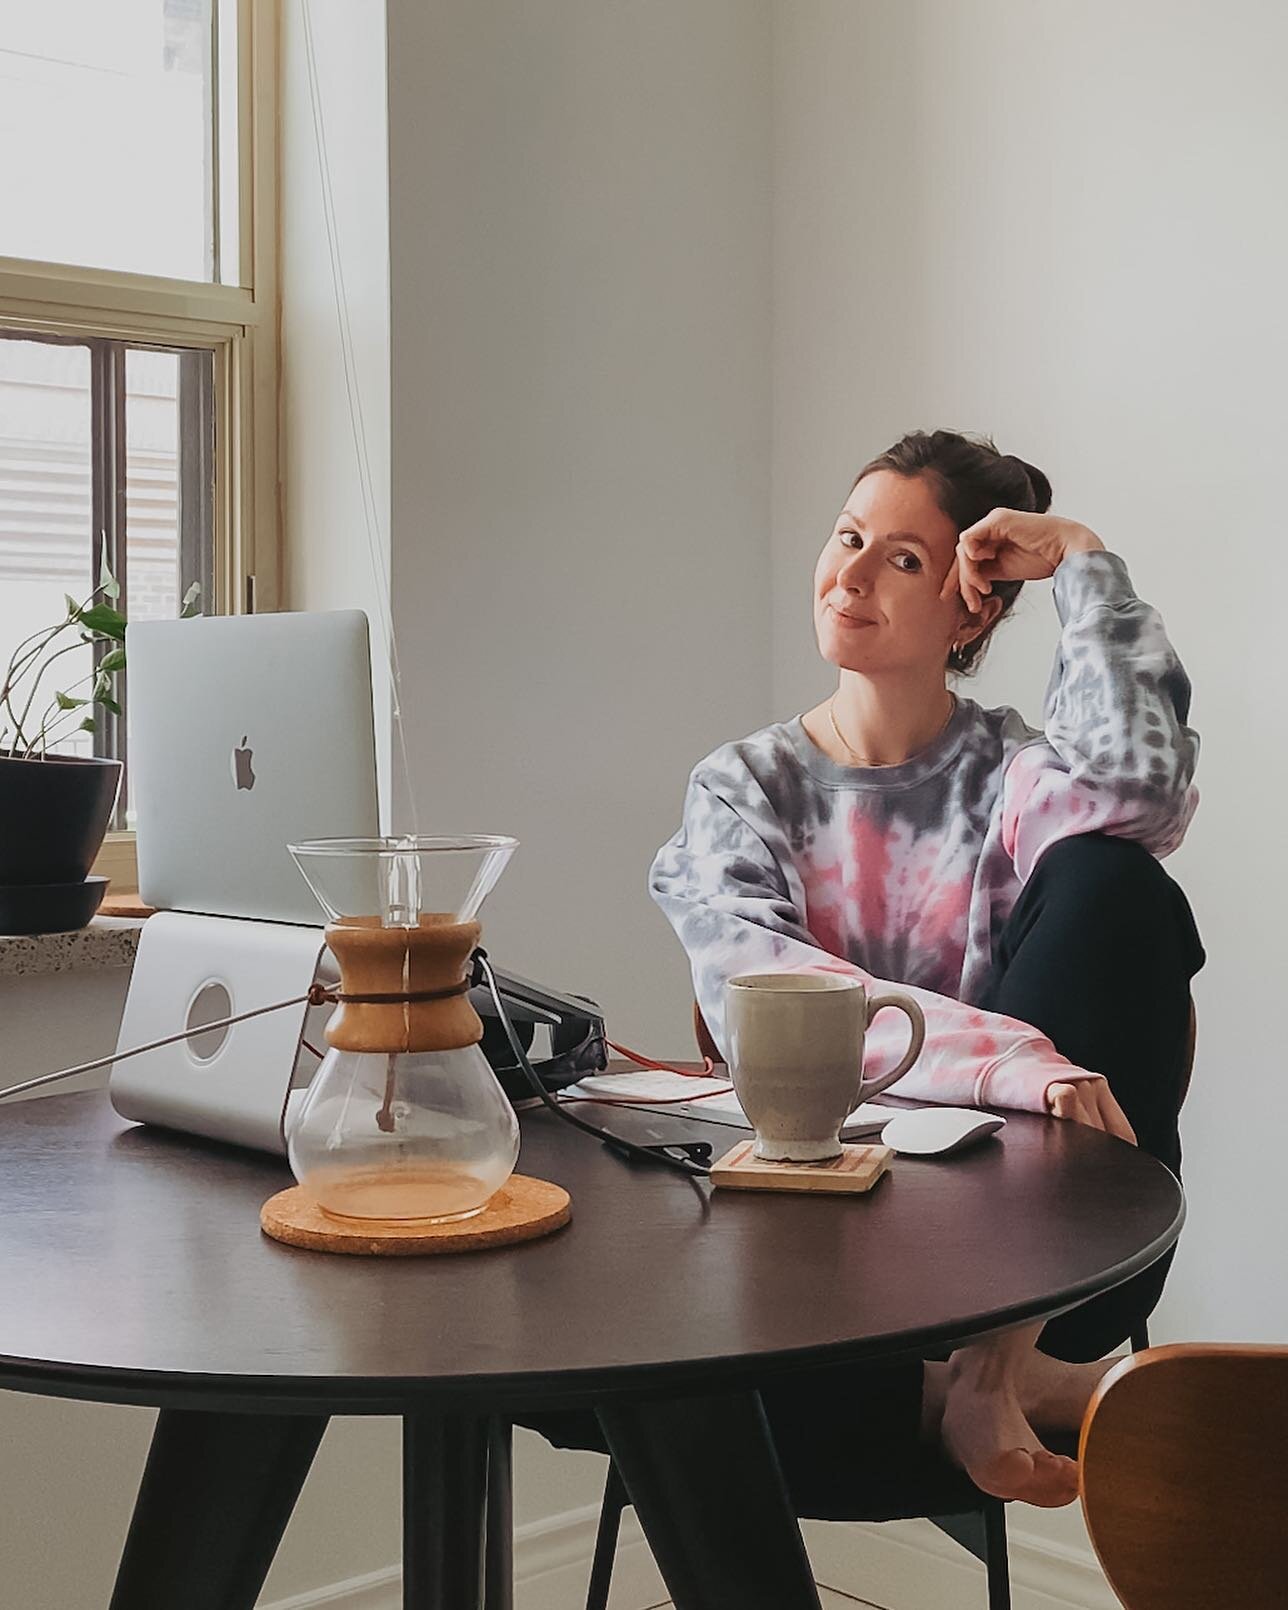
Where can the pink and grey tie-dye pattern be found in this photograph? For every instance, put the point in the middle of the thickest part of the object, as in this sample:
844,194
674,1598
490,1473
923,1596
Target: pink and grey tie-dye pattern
904,875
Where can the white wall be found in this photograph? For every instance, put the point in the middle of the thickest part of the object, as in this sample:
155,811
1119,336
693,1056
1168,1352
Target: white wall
579,249
1064,225
85,1005
334,391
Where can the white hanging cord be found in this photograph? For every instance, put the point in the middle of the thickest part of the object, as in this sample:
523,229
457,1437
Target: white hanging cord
357,423
152,1045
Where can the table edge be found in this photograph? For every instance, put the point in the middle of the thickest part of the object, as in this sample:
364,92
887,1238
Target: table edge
670,1378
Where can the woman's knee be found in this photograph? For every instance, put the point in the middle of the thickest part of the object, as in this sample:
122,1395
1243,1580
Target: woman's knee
1105,874
1096,865
1119,888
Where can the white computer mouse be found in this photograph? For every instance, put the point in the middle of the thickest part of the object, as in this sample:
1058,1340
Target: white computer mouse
937,1131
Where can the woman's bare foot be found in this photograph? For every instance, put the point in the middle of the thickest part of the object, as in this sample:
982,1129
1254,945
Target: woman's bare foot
1055,1395
984,1428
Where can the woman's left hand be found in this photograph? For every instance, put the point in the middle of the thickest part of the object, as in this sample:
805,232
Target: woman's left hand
1090,1102
1011,545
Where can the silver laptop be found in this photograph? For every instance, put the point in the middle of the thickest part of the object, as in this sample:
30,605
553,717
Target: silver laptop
247,733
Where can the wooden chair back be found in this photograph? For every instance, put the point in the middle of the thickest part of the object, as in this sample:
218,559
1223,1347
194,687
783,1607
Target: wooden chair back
1185,1479
707,1047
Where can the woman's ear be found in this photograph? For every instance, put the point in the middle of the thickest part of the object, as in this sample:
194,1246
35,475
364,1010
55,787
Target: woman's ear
976,626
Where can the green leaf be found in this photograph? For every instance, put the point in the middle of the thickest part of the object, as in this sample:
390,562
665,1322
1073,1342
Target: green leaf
107,703
73,608
104,620
88,725
113,660
106,580
66,702
191,602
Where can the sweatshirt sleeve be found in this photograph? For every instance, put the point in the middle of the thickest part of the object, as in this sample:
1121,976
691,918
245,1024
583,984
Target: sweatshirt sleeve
1117,756
736,903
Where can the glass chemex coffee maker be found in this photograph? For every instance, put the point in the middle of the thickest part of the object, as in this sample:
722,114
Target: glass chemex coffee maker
404,1121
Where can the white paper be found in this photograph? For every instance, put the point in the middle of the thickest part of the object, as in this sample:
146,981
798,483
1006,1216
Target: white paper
720,1101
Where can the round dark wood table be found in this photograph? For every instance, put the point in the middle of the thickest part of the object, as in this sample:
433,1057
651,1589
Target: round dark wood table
134,1271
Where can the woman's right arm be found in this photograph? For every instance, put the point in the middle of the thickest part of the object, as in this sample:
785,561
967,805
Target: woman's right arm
1118,755
729,888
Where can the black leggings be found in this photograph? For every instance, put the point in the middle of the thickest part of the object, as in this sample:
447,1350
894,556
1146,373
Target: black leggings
1098,953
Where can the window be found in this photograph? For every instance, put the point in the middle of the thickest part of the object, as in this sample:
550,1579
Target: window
137,320
125,115
106,461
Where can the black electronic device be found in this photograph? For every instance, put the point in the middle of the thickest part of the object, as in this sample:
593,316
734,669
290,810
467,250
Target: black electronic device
576,1026
579,1020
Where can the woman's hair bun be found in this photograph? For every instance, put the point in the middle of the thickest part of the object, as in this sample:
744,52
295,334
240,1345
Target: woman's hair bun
1038,482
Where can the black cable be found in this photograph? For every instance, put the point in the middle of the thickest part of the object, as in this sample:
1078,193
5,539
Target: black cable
482,972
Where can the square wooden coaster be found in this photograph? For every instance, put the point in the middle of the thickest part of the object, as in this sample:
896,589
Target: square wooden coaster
858,1168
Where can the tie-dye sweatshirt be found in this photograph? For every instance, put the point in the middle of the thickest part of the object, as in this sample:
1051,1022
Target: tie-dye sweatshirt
904,875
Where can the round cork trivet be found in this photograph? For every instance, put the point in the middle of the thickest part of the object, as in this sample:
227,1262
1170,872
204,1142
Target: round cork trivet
521,1210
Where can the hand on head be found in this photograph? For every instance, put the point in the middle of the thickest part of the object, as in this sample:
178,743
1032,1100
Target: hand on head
1011,545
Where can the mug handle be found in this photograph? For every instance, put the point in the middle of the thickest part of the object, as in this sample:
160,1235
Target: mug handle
917,1019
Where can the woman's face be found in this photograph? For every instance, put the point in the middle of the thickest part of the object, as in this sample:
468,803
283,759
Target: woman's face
877,604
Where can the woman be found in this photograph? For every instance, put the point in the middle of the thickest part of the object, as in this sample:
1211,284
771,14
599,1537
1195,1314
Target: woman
1006,878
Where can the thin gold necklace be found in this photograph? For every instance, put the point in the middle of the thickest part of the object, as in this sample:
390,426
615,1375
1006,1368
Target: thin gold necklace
864,760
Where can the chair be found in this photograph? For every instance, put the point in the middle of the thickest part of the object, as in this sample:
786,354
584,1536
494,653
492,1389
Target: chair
1184,1483
940,1493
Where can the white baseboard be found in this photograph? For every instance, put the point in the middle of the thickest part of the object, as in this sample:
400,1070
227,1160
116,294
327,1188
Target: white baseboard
377,1590
374,1591
551,1570
900,1565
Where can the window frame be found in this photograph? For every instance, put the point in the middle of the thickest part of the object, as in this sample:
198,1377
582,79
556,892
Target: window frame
238,324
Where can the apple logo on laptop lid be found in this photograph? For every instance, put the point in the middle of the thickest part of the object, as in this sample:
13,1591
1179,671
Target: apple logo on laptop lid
243,773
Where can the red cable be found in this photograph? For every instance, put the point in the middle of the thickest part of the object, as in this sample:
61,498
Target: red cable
657,1067
664,1067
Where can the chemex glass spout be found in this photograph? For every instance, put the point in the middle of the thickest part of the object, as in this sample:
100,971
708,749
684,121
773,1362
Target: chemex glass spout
401,881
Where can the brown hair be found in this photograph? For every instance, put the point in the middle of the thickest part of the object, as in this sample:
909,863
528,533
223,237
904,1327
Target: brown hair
971,478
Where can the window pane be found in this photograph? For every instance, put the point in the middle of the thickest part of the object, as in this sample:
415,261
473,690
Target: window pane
151,484
45,522
48,466
114,111
169,481
169,496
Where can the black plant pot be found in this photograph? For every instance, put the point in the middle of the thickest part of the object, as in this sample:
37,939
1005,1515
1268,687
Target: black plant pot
53,815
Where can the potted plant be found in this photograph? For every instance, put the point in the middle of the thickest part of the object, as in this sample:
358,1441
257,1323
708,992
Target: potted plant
55,808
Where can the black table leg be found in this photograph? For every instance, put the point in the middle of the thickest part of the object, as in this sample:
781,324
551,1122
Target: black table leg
706,1484
216,1494
498,1546
444,1492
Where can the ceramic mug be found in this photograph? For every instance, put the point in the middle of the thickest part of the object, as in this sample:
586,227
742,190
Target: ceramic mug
796,1057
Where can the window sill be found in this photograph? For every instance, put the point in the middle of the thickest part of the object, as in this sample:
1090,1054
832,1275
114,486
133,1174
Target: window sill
107,942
